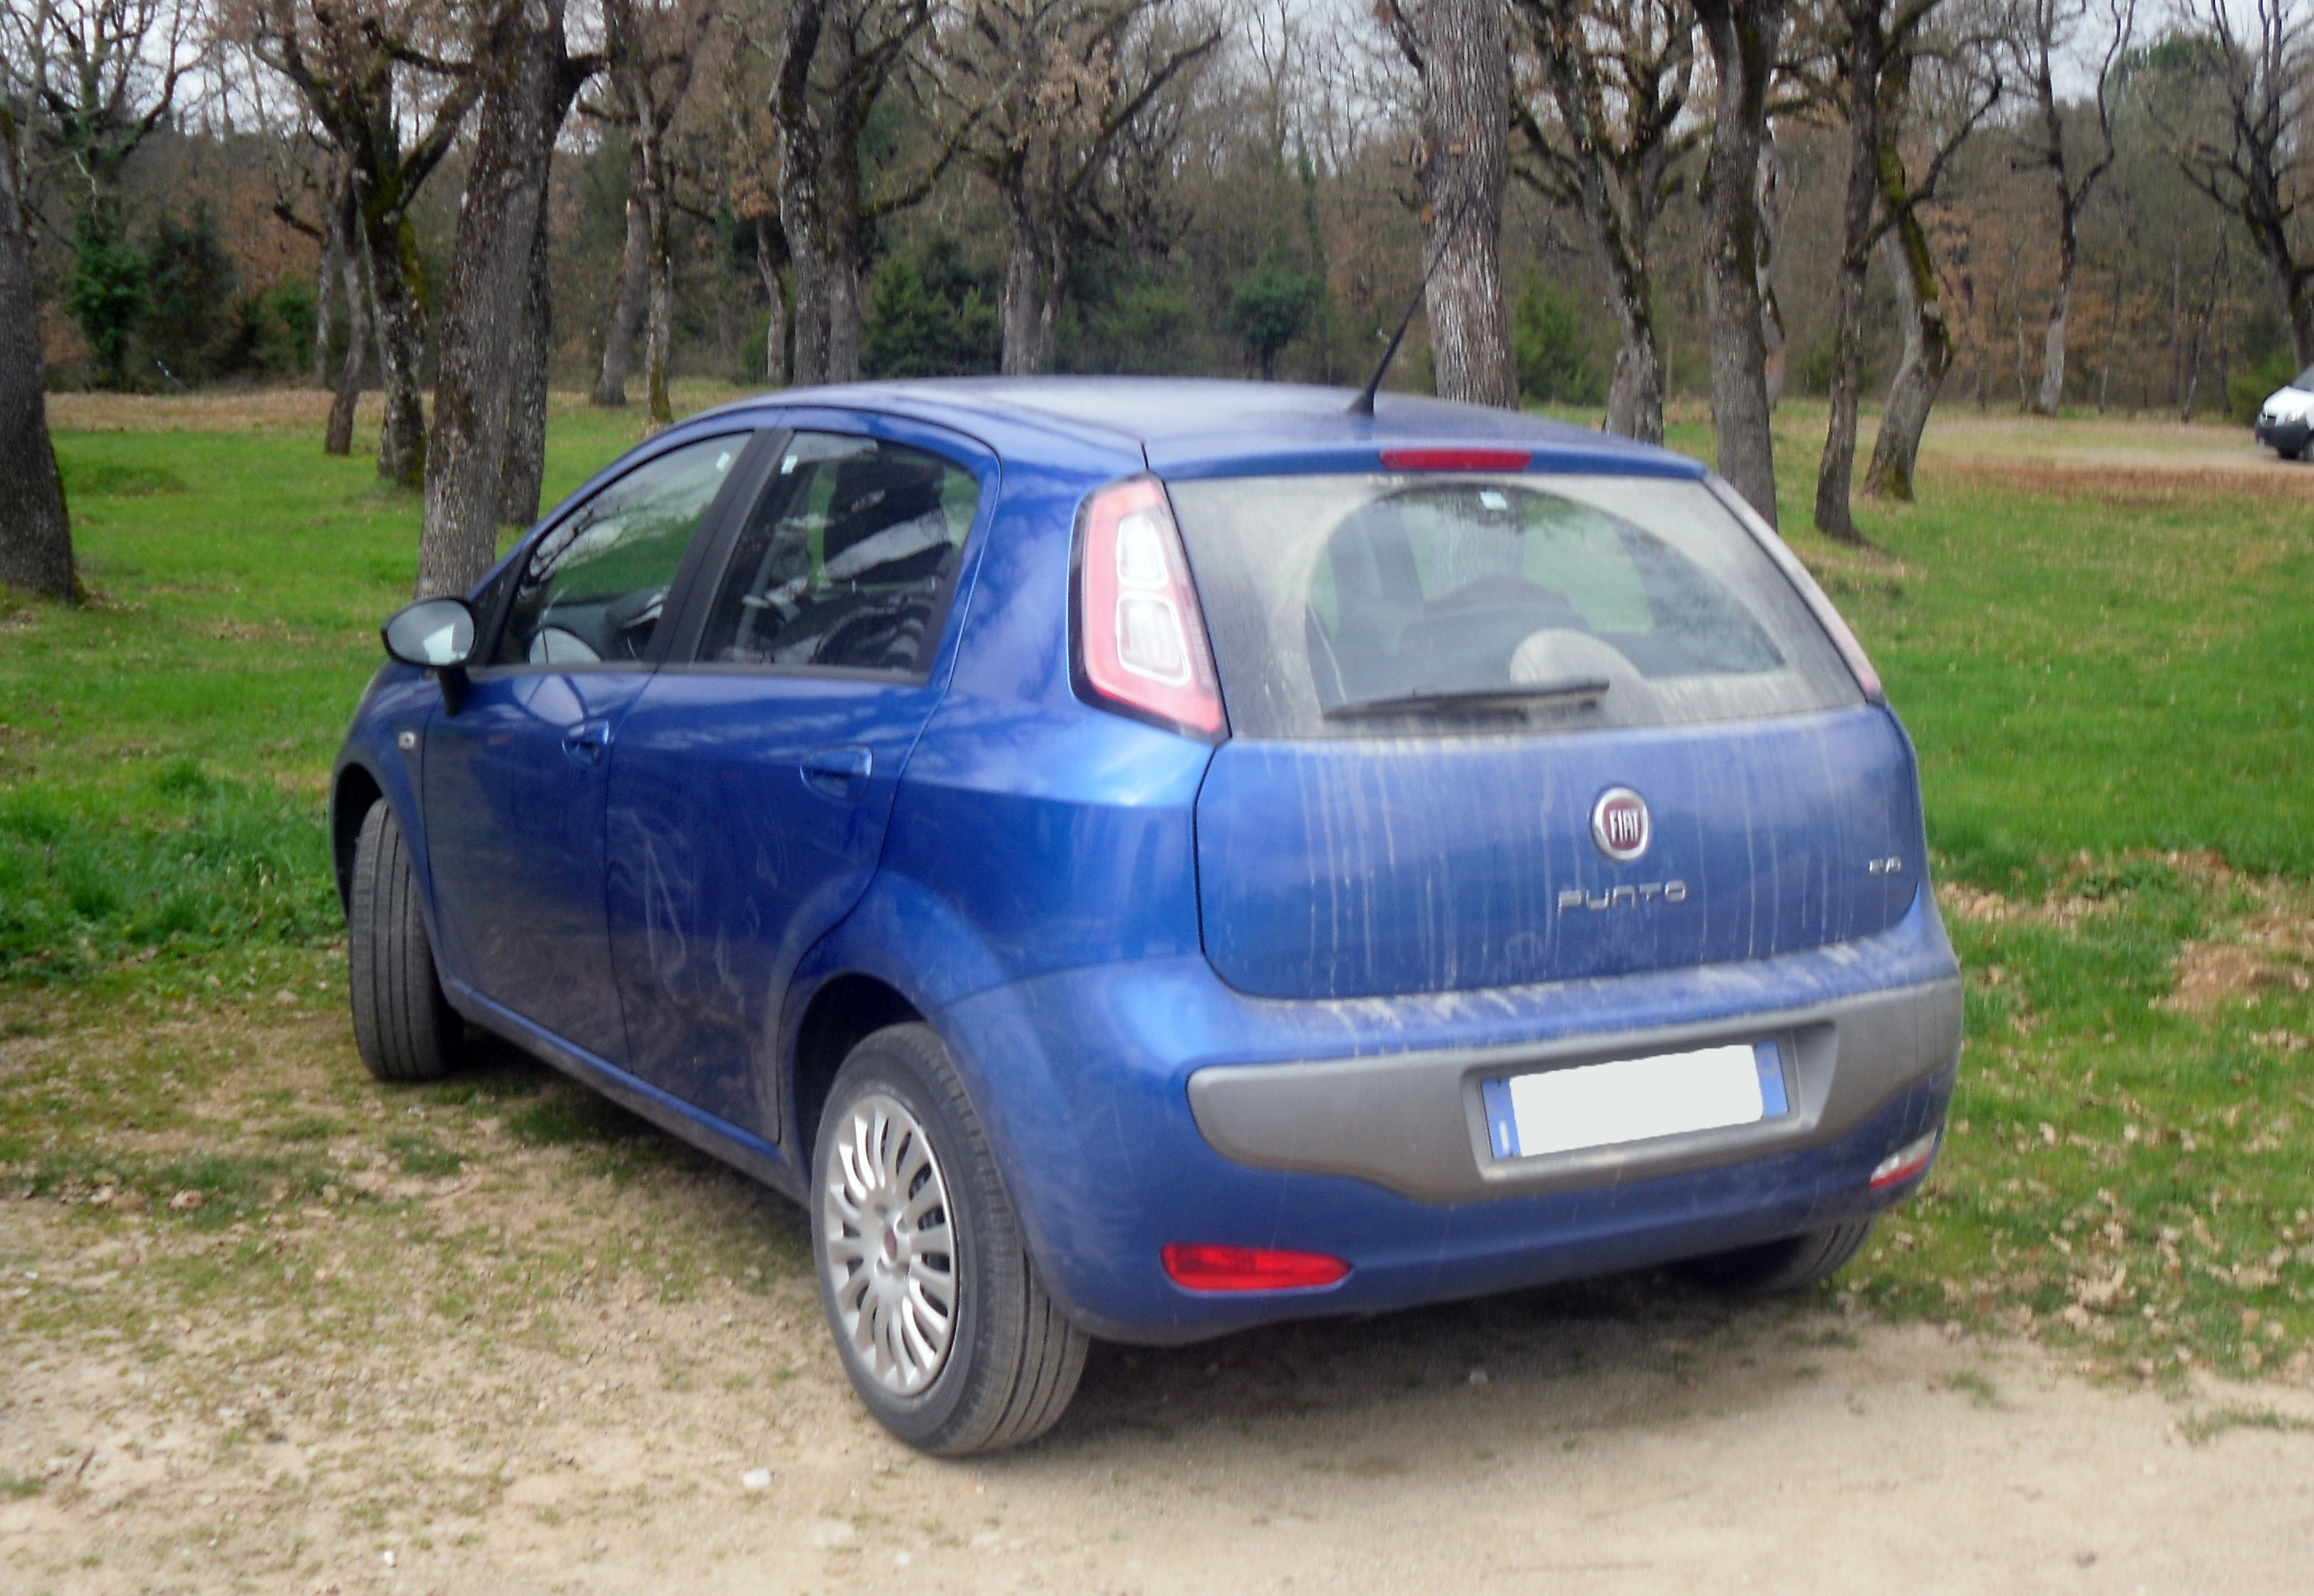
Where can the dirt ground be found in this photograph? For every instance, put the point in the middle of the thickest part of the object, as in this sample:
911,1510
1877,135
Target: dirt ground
593,1362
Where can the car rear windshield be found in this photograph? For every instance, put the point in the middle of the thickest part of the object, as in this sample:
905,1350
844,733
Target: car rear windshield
1365,606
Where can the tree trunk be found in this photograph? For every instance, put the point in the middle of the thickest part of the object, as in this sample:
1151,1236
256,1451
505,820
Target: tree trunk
775,334
2017,310
1859,209
1023,276
1743,36
522,481
391,250
1866,55
488,289
2053,345
658,325
1635,397
627,304
325,281
847,249
1927,356
845,314
36,551
1056,289
361,334
1463,164
1770,198
801,216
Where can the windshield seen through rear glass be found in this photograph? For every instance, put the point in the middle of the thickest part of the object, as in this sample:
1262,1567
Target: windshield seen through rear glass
1353,605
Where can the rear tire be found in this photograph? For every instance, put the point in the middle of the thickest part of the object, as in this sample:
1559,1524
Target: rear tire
1791,1264
935,1303
403,1026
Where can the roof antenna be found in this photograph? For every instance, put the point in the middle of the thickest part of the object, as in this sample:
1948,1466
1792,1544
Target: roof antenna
1362,405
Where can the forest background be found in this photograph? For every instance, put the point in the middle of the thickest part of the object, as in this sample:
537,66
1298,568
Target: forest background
485,196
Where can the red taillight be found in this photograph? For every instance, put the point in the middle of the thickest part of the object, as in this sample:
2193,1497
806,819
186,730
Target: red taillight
1455,459
1140,638
1202,1268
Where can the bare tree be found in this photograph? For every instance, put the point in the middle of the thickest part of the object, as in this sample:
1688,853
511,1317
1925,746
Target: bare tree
2046,28
1052,103
1459,50
1964,93
629,298
650,46
350,248
2240,138
493,291
344,57
104,75
1614,118
1745,37
35,534
1864,58
836,59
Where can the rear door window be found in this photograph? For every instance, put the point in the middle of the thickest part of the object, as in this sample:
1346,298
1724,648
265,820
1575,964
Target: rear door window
1345,605
847,561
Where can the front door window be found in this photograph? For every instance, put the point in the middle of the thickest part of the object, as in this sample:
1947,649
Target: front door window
595,586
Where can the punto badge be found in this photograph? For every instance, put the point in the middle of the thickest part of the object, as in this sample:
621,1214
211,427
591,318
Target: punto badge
1620,824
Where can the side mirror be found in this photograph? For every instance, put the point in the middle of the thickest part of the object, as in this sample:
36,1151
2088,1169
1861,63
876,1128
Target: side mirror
436,634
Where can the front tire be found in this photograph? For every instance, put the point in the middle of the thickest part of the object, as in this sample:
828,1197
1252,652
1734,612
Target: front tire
403,1026
948,1335
1773,1267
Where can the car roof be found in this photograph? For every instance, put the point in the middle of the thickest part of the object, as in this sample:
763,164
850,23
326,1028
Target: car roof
1197,427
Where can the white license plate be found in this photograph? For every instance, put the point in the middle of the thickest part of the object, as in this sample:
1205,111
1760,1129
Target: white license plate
1669,1093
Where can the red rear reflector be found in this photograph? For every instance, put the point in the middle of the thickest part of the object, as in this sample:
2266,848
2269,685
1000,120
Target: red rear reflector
1455,459
1249,1268
1905,1162
1139,640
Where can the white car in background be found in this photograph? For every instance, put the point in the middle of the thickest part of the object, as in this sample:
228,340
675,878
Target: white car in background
2287,419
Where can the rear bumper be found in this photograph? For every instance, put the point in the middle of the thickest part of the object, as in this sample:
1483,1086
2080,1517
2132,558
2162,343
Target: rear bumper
1416,1124
1142,1103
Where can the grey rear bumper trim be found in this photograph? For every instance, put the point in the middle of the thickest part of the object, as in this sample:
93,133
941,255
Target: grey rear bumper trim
1414,1123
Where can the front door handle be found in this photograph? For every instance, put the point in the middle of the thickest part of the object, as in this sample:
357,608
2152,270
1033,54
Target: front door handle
840,773
586,744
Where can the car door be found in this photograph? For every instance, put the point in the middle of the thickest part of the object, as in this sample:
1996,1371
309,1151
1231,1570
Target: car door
514,782
750,785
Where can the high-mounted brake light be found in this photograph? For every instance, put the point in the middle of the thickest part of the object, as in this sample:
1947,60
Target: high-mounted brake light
1835,626
1455,459
1201,1269
1905,1162
1138,638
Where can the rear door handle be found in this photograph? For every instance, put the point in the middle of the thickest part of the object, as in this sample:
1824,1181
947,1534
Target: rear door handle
840,773
586,744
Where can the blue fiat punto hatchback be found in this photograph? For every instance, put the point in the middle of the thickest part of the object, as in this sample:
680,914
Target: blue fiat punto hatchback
1143,859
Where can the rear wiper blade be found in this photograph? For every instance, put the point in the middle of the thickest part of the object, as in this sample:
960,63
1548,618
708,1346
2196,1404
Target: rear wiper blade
1477,700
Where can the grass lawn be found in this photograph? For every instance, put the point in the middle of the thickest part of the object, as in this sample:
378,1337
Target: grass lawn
2095,633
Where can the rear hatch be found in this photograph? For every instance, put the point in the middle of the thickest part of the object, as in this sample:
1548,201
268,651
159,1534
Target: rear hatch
1445,692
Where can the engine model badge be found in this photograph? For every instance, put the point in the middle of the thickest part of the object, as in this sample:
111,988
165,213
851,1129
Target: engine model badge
1621,826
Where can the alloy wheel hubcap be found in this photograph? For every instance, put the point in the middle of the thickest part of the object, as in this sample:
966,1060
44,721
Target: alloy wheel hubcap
890,1261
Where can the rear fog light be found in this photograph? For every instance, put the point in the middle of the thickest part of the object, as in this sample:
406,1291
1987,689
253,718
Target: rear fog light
1201,1269
1905,1162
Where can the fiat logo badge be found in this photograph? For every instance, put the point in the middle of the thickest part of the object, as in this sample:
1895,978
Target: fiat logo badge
1620,824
